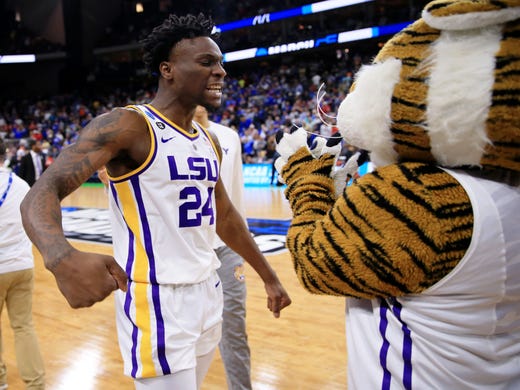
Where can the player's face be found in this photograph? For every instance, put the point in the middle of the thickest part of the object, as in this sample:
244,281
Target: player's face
198,74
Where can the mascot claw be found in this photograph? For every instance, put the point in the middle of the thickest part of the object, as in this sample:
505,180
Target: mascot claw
288,143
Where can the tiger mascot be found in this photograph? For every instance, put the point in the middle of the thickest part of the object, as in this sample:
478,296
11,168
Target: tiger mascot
426,247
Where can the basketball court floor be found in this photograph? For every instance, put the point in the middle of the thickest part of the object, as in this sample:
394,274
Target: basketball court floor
303,349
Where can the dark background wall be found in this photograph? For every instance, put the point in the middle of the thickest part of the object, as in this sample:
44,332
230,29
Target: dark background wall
97,39
76,25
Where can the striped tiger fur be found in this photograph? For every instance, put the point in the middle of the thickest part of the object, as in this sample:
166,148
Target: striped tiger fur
396,231
452,91
444,92
427,243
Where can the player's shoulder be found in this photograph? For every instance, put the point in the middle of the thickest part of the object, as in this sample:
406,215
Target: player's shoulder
130,112
121,116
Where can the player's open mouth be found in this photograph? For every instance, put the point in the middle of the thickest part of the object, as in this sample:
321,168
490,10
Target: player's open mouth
216,89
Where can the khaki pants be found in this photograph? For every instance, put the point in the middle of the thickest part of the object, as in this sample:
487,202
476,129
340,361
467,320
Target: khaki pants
16,290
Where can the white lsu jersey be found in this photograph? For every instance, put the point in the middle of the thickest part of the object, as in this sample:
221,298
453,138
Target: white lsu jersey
163,213
461,333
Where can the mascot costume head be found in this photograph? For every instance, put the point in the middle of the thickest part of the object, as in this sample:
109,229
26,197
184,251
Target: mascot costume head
426,247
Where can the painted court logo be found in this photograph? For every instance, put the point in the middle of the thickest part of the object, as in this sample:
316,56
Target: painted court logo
93,225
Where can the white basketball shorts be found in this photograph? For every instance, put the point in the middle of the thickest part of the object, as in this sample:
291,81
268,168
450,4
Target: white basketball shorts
163,328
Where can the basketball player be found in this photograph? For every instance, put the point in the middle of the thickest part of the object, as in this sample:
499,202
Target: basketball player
234,348
165,196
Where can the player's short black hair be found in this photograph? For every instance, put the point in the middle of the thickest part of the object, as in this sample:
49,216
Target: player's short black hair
157,45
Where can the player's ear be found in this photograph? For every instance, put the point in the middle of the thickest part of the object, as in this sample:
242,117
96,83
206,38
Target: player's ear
166,68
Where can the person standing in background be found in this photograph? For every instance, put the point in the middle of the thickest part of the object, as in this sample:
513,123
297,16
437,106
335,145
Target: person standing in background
233,346
17,280
32,164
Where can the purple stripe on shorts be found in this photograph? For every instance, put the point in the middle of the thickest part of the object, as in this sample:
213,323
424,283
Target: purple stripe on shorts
407,347
128,302
128,296
383,353
161,341
147,237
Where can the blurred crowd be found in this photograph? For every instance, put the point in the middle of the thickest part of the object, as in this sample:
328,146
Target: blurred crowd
257,104
258,100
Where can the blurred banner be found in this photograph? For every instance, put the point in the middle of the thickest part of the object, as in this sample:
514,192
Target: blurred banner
258,174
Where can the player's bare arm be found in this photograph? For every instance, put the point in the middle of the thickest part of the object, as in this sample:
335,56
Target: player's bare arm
106,138
41,211
232,229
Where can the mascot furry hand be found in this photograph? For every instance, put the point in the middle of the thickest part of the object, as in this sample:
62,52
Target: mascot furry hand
427,246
